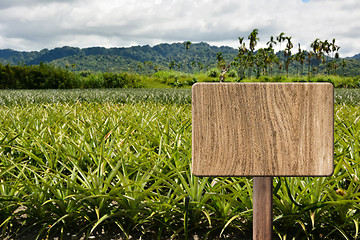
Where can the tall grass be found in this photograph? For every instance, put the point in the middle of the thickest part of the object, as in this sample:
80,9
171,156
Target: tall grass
87,168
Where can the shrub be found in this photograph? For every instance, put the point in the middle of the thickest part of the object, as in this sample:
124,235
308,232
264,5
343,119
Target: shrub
213,73
41,76
232,73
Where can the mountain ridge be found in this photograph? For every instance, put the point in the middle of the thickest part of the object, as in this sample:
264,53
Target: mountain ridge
356,56
142,59
122,58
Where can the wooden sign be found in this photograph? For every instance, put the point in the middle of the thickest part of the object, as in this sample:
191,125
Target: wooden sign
262,129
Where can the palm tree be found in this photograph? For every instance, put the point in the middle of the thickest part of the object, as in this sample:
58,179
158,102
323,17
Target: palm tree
171,64
310,54
325,46
273,58
300,56
187,45
240,60
259,60
334,48
287,64
264,59
287,54
281,38
253,39
289,46
242,45
270,53
253,42
317,50
272,42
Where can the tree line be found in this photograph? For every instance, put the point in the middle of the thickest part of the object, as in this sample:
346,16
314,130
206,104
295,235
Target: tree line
47,76
264,61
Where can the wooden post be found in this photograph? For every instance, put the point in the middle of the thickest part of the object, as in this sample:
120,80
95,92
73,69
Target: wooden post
262,208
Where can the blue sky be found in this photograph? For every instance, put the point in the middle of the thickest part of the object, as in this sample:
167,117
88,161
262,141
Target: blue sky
37,24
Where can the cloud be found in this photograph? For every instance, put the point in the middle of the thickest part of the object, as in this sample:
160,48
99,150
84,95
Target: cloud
29,3
36,24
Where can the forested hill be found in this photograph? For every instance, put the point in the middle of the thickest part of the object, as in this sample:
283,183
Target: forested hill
179,56
184,57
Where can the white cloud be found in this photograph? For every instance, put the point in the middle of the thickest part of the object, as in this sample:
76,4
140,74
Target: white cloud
36,24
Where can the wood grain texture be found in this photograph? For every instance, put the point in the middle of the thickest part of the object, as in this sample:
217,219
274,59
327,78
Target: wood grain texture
262,129
262,208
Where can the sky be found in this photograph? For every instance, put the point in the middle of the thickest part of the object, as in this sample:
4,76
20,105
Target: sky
29,25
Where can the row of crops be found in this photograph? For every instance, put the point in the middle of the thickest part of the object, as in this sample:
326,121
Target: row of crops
163,96
117,162
138,95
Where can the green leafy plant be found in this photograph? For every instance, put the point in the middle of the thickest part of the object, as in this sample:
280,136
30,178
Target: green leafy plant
87,163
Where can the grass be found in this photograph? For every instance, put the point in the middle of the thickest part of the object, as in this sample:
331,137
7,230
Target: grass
175,79
72,166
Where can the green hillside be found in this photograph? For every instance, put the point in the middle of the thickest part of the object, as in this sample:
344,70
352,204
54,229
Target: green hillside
188,58
140,59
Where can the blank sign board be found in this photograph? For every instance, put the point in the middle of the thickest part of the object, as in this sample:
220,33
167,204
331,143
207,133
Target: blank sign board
262,129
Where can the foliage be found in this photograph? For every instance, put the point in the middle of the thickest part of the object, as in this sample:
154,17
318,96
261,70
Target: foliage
85,166
337,81
175,65
322,64
46,76
213,73
41,76
265,60
191,58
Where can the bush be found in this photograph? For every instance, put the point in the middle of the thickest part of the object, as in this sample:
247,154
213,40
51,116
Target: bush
41,76
44,76
193,81
232,73
93,81
214,73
